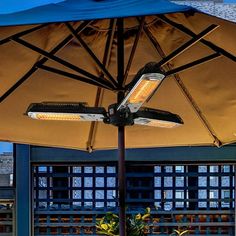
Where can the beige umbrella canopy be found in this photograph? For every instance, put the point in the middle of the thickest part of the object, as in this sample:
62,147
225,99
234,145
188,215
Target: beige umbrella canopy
48,64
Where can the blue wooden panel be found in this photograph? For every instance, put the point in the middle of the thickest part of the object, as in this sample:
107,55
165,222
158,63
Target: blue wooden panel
7,193
23,191
171,154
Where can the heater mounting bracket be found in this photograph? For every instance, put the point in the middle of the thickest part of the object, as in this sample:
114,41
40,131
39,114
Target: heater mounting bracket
122,117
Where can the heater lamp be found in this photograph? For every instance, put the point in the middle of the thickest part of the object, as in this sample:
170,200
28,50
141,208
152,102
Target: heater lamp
157,118
141,91
65,112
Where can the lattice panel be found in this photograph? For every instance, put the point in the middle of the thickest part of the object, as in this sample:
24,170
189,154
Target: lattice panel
91,190
6,219
200,198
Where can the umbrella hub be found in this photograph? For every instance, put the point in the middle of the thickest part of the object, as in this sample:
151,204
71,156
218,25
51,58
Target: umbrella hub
122,117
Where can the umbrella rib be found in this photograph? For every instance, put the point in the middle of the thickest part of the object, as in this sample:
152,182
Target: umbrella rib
22,33
72,76
179,82
153,42
193,64
42,61
93,126
17,84
91,54
210,130
100,92
203,41
60,61
109,42
133,50
187,45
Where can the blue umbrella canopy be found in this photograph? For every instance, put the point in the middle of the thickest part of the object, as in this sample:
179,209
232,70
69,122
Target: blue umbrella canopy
10,6
67,52
76,10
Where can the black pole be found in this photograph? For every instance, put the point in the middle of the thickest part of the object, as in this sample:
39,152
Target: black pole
121,129
122,179
121,175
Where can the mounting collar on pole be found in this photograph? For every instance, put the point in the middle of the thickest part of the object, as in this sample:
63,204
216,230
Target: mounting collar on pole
122,117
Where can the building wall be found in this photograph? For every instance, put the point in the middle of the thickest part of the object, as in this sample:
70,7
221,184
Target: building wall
6,169
6,163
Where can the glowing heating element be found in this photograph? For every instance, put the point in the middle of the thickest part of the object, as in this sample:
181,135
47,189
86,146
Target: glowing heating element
156,123
142,91
65,116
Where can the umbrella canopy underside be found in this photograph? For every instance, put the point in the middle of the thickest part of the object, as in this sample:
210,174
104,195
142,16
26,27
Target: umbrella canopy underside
202,95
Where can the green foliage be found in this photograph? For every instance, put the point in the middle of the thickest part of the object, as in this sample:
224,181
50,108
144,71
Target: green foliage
108,225
135,224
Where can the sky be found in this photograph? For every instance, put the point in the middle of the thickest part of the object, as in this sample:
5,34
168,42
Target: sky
8,6
5,147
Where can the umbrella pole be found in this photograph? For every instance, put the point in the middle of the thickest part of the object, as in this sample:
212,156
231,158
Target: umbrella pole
121,129
122,180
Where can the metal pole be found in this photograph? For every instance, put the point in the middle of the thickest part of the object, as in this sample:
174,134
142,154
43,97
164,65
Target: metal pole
122,179
121,129
121,175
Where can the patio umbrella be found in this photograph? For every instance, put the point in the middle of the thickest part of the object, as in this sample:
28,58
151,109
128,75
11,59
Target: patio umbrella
89,51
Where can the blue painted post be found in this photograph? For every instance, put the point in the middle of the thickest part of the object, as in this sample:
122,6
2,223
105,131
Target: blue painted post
234,197
23,191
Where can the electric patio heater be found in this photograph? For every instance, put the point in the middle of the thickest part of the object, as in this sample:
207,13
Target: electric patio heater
127,111
69,50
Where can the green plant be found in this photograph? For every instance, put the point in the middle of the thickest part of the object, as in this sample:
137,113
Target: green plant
135,224
108,225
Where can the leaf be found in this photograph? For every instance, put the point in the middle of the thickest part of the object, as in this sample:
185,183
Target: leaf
145,216
176,231
104,226
138,216
183,232
115,216
148,210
